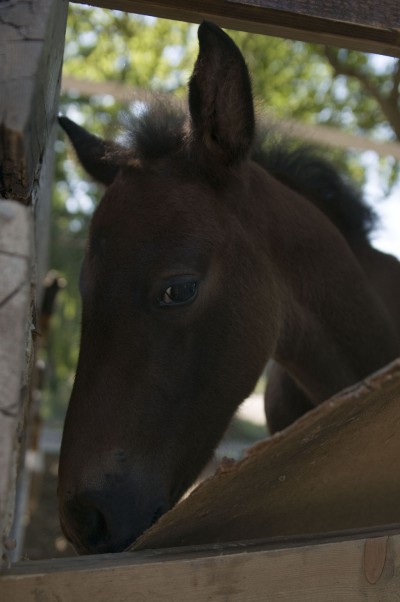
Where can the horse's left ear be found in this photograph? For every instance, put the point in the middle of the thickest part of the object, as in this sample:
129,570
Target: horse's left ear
100,158
220,98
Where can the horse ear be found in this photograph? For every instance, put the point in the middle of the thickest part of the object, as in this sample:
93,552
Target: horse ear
220,97
98,157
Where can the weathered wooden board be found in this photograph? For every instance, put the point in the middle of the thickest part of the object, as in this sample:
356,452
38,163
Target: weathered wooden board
369,25
334,469
365,569
15,294
31,48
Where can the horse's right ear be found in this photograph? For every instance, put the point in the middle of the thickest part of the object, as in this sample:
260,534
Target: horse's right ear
98,157
220,98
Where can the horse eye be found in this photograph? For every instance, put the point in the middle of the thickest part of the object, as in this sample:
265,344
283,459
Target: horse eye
178,294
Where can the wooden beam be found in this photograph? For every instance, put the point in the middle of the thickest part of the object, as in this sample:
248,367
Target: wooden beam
369,25
15,270
31,50
384,14
360,569
326,135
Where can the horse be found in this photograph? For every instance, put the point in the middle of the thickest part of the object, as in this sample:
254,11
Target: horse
206,257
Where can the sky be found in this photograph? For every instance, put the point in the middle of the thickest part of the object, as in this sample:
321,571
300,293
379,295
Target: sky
386,237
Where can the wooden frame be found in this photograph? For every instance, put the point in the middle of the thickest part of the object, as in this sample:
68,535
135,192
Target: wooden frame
368,25
31,49
15,270
362,566
357,568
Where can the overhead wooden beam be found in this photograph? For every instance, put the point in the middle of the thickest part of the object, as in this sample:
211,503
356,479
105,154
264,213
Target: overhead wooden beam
361,569
369,25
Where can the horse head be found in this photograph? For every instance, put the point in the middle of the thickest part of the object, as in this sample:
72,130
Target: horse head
177,313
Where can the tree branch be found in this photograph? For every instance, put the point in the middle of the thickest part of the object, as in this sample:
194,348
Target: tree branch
394,94
389,104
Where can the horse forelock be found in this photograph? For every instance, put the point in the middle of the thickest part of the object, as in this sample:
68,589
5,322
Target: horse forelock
156,127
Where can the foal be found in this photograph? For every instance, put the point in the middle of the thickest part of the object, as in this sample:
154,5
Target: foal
200,266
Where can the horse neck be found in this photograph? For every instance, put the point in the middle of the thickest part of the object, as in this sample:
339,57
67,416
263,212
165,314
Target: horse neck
334,330
383,273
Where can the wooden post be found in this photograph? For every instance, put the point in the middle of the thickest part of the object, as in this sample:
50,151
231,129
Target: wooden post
32,37
16,347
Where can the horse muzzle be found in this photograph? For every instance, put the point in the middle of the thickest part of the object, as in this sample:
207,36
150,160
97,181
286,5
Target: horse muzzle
104,520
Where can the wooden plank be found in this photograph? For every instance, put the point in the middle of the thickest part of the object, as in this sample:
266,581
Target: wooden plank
383,14
21,433
15,270
31,49
369,26
361,569
334,469
326,135
41,203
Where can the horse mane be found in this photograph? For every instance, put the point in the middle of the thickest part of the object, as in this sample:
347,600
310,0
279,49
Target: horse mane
303,169
157,127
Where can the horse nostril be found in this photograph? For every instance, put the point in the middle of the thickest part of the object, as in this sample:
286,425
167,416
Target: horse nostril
88,524
96,532
98,522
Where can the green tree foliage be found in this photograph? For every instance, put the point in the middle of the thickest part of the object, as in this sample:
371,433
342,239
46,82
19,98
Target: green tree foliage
291,79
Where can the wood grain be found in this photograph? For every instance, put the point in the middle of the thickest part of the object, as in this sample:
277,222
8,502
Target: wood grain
15,264
369,25
384,15
328,571
375,554
31,47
